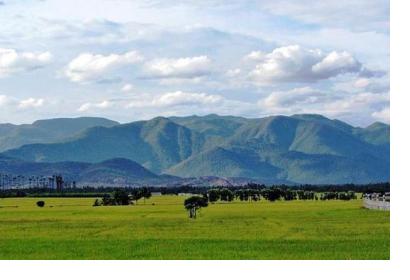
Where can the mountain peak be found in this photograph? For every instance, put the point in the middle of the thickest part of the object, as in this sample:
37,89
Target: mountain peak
377,125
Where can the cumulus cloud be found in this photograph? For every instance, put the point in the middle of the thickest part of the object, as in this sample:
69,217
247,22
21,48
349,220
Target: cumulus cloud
170,103
31,103
382,115
296,64
3,100
231,73
348,106
101,105
255,55
14,103
185,68
127,88
12,61
287,101
177,98
358,84
88,66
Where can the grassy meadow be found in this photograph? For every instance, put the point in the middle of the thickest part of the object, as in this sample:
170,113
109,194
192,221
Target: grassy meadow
70,228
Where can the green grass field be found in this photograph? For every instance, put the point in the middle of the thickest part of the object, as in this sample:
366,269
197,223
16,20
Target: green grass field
70,228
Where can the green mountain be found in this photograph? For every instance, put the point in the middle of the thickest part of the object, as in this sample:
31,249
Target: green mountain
156,144
222,162
46,131
295,149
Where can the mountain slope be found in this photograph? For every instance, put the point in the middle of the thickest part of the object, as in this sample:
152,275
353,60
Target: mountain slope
299,148
226,163
46,131
156,144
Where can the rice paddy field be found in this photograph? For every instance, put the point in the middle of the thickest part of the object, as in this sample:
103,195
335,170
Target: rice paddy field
70,228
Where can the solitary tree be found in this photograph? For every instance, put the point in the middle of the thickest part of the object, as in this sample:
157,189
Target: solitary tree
194,203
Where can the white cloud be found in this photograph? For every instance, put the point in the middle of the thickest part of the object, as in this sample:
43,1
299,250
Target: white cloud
233,72
187,67
287,101
88,66
3,100
177,98
296,64
171,103
12,61
127,88
255,55
361,83
184,98
348,106
336,63
354,84
101,105
382,115
31,103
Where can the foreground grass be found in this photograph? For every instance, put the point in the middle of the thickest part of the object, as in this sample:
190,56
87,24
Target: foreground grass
70,228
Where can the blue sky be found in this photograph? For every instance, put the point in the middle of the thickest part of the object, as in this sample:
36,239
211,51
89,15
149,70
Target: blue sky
131,60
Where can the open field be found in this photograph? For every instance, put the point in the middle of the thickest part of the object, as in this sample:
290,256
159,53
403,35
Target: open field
70,228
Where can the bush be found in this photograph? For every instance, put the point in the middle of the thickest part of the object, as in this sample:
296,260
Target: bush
97,202
40,203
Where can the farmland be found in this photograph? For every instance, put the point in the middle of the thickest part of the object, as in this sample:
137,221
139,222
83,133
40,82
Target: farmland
70,228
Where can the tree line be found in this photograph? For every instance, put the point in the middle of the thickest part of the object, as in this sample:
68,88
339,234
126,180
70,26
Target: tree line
196,202
102,191
123,197
273,194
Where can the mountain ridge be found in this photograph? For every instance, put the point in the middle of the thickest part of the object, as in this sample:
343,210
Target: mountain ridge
304,148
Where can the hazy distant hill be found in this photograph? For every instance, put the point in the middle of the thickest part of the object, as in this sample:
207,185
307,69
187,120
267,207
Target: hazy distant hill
115,171
46,131
299,148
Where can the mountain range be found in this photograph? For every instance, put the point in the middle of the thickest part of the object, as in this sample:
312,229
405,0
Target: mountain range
277,149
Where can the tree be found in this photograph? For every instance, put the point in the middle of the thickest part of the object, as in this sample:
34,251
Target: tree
141,193
137,194
289,195
121,197
146,193
254,195
194,203
272,194
226,195
213,195
107,200
241,194
40,203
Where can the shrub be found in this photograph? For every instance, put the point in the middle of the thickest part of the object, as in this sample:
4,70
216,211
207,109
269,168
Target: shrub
40,203
97,202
